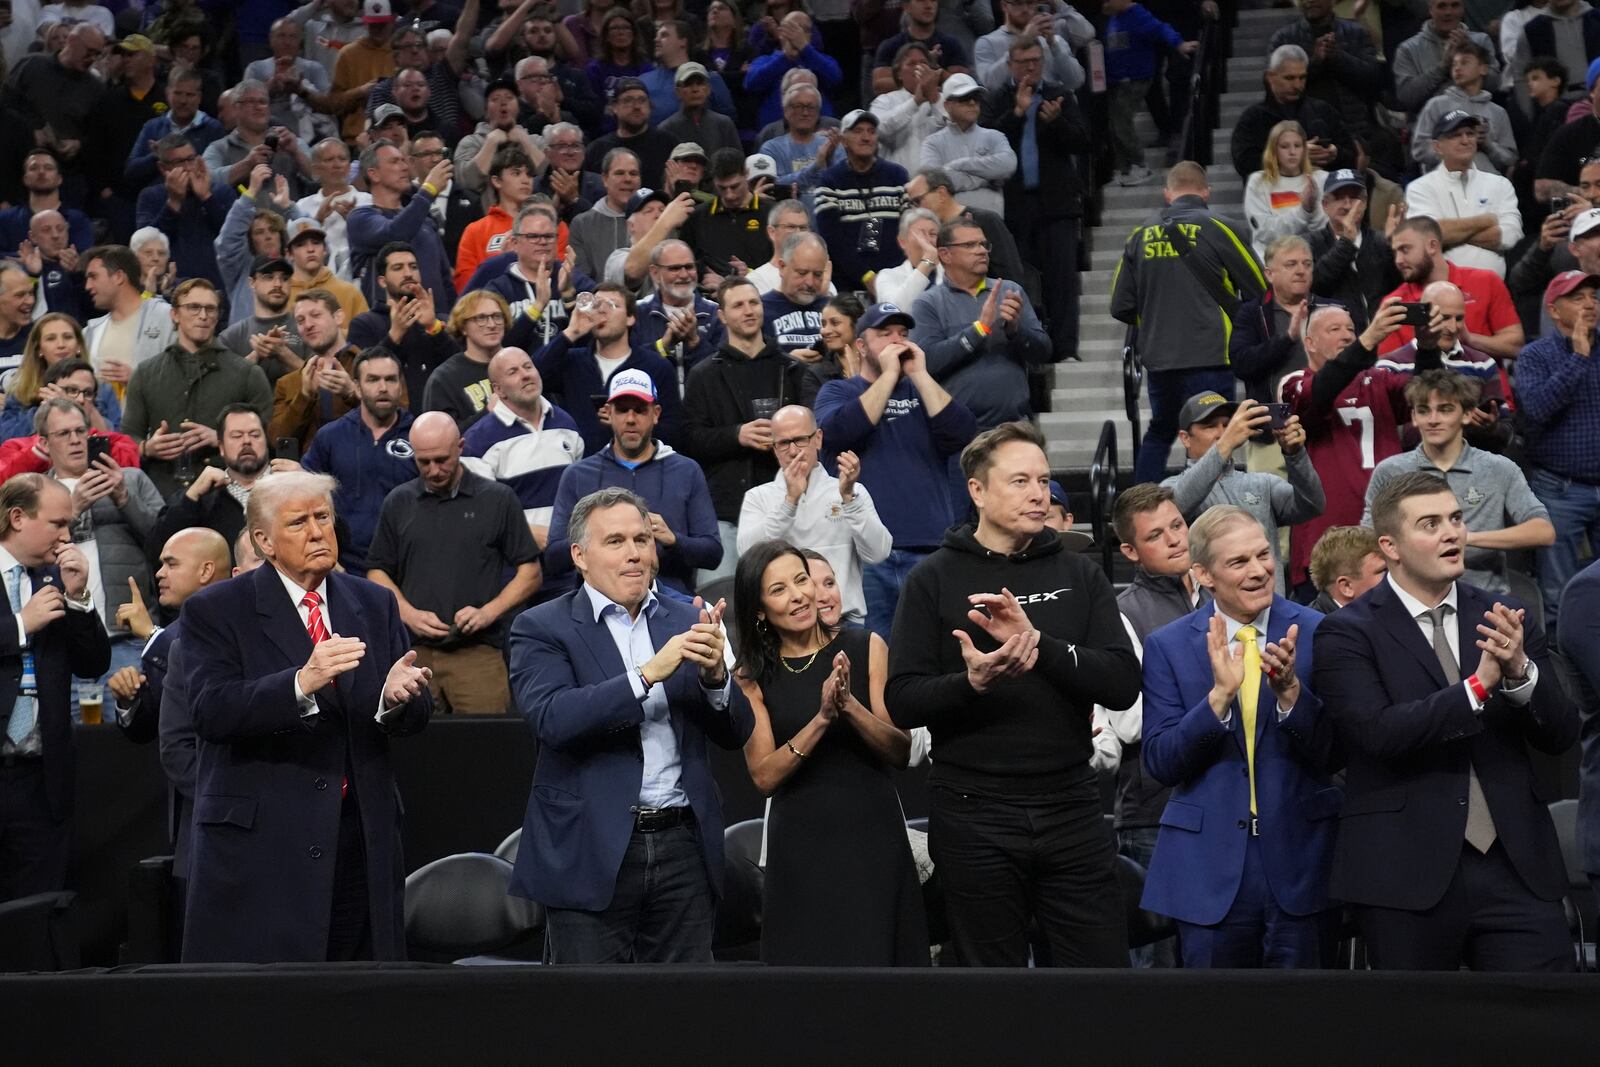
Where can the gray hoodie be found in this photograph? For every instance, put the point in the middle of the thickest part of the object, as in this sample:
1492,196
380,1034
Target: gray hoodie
1498,150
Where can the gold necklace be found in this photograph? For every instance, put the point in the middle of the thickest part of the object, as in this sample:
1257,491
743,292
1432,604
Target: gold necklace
801,670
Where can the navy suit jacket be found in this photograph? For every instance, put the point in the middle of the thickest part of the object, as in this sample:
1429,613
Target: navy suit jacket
1580,640
179,750
574,689
1408,734
1200,852
75,644
267,783
143,720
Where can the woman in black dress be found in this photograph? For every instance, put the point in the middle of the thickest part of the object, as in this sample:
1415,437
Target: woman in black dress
841,888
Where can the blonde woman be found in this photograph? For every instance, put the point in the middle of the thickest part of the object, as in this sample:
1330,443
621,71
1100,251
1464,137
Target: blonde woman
1285,196
54,337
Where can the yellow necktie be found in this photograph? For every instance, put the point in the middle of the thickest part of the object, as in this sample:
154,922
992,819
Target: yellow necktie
1249,691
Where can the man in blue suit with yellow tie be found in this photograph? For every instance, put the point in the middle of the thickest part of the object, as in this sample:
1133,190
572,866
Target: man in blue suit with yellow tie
622,840
1246,840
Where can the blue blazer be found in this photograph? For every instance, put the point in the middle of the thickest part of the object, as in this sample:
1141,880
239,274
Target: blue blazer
573,687
1409,735
1195,873
1580,640
267,784
74,645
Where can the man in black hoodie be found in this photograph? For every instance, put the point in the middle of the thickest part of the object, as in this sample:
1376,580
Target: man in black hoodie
1002,645
728,404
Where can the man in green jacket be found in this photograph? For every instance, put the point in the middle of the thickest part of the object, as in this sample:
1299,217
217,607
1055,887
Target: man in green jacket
174,400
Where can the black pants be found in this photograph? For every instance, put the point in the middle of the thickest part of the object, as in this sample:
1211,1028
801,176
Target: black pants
1003,863
1487,919
34,845
1050,245
350,923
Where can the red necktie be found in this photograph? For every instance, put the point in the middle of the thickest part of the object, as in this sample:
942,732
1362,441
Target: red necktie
314,625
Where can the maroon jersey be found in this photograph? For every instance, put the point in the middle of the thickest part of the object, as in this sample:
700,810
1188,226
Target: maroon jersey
1345,444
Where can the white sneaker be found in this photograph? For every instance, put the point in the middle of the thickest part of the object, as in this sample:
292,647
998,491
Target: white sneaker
1137,174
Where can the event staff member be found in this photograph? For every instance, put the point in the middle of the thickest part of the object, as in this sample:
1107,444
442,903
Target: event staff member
1445,850
51,634
622,842
192,559
296,678
1242,858
1007,692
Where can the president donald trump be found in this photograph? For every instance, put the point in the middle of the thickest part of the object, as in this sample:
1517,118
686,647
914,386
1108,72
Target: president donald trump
297,677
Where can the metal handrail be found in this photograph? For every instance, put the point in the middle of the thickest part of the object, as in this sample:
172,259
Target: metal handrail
1132,382
1103,492
1204,86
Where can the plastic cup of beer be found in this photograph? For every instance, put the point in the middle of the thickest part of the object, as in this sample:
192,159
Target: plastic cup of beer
91,703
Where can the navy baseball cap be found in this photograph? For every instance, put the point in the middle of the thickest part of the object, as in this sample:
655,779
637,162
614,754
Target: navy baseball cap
1344,179
643,197
1453,121
878,316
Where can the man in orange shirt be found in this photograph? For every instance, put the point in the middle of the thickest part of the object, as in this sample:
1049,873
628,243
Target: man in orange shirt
363,61
511,180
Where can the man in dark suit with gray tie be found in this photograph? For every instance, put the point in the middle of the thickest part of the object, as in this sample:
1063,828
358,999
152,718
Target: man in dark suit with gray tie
1437,688
297,677
49,633
622,841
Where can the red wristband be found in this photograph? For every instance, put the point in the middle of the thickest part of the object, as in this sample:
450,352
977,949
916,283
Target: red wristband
1477,689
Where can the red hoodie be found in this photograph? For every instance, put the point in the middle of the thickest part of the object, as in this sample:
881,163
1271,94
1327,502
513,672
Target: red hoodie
481,239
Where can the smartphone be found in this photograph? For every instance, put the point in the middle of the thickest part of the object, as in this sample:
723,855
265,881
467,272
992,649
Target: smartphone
98,446
271,141
1558,204
286,448
1418,315
1489,405
1044,9
1280,416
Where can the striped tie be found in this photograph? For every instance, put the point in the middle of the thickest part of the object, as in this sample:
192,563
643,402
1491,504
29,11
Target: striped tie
314,625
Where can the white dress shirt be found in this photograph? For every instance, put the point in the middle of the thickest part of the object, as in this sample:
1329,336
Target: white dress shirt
1260,623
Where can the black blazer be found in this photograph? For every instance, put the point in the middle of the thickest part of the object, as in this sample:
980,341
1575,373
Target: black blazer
144,713
1407,735
267,782
75,644
1060,142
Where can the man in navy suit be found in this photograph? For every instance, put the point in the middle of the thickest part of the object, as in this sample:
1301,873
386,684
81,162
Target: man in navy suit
296,677
1231,723
1580,640
49,633
1444,848
622,841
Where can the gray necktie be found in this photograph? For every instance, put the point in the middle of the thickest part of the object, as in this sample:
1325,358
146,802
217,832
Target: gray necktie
1480,824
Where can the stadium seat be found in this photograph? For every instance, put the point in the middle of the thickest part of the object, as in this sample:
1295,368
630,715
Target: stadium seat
507,849
458,906
35,933
1144,927
1579,901
738,934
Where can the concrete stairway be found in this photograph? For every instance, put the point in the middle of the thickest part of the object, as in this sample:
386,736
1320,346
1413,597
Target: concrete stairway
1086,393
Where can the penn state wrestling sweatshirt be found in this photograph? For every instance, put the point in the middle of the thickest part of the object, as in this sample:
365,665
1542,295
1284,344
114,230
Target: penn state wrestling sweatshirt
1028,734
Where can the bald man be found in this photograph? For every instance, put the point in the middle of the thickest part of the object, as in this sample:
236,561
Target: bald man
192,559
1487,429
524,442
50,257
443,544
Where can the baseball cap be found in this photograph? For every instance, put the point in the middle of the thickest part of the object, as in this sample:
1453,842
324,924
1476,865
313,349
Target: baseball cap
1584,223
279,265
386,113
959,87
643,197
689,150
878,316
690,70
1569,281
1058,495
634,383
302,227
135,42
376,11
1202,406
626,85
760,165
505,81
1453,121
1344,179
858,115
1593,75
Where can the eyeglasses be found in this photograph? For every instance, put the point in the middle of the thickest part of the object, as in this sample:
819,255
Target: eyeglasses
536,78
969,245
426,153
74,391
916,201
202,310
802,107
69,435
533,237
565,146
784,444
490,318
675,266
